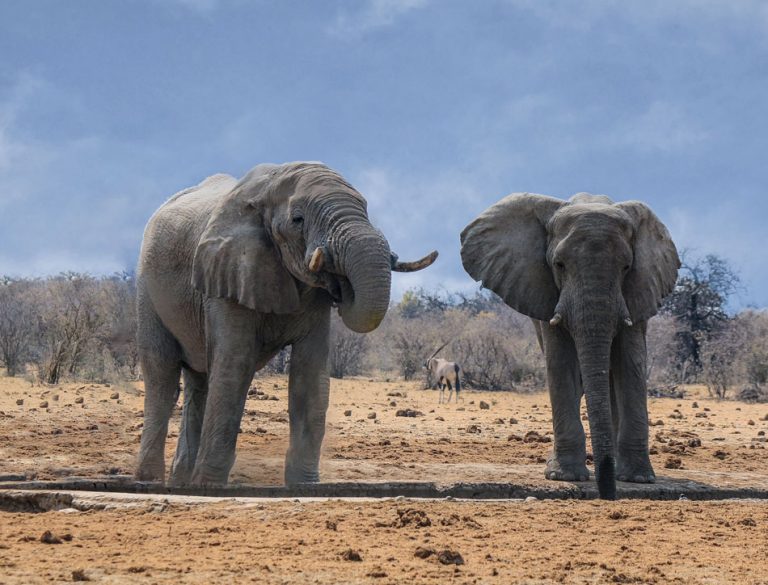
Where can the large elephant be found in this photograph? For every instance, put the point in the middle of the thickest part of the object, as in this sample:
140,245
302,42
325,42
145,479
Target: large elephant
229,273
590,273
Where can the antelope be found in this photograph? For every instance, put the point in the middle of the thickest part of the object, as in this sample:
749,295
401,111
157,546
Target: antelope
446,373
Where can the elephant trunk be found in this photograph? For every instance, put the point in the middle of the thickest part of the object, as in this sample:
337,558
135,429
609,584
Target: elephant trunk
364,259
593,327
594,360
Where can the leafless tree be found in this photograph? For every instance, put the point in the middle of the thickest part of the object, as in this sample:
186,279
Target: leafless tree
18,323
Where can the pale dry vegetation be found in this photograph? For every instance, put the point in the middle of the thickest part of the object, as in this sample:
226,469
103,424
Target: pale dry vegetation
78,327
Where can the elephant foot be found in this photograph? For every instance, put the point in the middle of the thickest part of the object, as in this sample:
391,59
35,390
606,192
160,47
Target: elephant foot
635,469
566,469
153,472
149,475
296,478
180,476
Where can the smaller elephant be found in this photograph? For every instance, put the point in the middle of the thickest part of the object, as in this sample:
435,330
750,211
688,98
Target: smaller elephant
447,374
590,273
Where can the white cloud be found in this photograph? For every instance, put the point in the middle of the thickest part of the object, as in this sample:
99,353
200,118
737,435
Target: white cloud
663,126
589,14
372,15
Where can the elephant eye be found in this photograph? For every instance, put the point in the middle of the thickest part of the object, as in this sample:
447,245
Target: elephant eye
626,268
298,220
560,265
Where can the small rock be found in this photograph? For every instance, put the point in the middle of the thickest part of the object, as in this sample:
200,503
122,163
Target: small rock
408,412
751,423
44,404
261,430
351,555
695,405
114,396
412,517
484,405
49,537
377,573
423,552
450,557
19,401
531,499
673,463
393,403
372,416
347,413
331,525
499,421
512,420
79,575
720,454
474,429
747,522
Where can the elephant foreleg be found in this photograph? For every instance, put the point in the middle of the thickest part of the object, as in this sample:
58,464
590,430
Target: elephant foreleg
308,394
628,370
567,462
195,394
232,355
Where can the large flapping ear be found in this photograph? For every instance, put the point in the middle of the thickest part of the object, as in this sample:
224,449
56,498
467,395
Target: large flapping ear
654,271
236,259
506,247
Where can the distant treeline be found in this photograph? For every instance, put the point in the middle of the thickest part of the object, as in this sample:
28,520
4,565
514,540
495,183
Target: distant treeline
79,327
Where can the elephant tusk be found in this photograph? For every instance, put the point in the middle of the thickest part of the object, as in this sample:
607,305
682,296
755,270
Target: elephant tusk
398,266
555,321
628,322
317,260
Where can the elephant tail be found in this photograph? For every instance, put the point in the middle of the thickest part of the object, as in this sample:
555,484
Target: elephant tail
458,381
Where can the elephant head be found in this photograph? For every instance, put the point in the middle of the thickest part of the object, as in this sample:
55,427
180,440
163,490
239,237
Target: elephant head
588,265
282,225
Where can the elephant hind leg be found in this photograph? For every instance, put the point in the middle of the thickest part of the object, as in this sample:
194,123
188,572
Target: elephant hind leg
160,357
195,395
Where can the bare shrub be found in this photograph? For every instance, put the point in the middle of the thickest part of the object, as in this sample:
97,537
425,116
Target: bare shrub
347,350
18,324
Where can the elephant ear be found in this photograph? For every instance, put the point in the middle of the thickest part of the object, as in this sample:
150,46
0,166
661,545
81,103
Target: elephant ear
506,248
235,258
654,271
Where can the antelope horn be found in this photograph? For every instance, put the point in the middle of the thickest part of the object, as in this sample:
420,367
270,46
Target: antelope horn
317,260
398,266
437,350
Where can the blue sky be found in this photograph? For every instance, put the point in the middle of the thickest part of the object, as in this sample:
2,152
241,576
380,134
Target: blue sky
432,109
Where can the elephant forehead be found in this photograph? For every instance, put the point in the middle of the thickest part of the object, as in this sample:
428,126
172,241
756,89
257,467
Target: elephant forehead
590,217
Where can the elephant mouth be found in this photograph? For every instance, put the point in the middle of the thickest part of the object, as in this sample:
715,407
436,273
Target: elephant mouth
336,285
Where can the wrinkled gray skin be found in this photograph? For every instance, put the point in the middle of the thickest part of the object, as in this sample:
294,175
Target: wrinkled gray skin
229,273
590,273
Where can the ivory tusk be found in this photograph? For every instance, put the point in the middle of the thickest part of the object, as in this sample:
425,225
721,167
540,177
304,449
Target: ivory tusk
555,321
628,322
398,266
317,260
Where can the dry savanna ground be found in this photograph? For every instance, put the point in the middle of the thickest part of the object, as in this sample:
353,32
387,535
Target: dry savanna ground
92,430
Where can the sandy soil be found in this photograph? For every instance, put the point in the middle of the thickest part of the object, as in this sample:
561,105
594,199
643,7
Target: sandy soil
88,430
